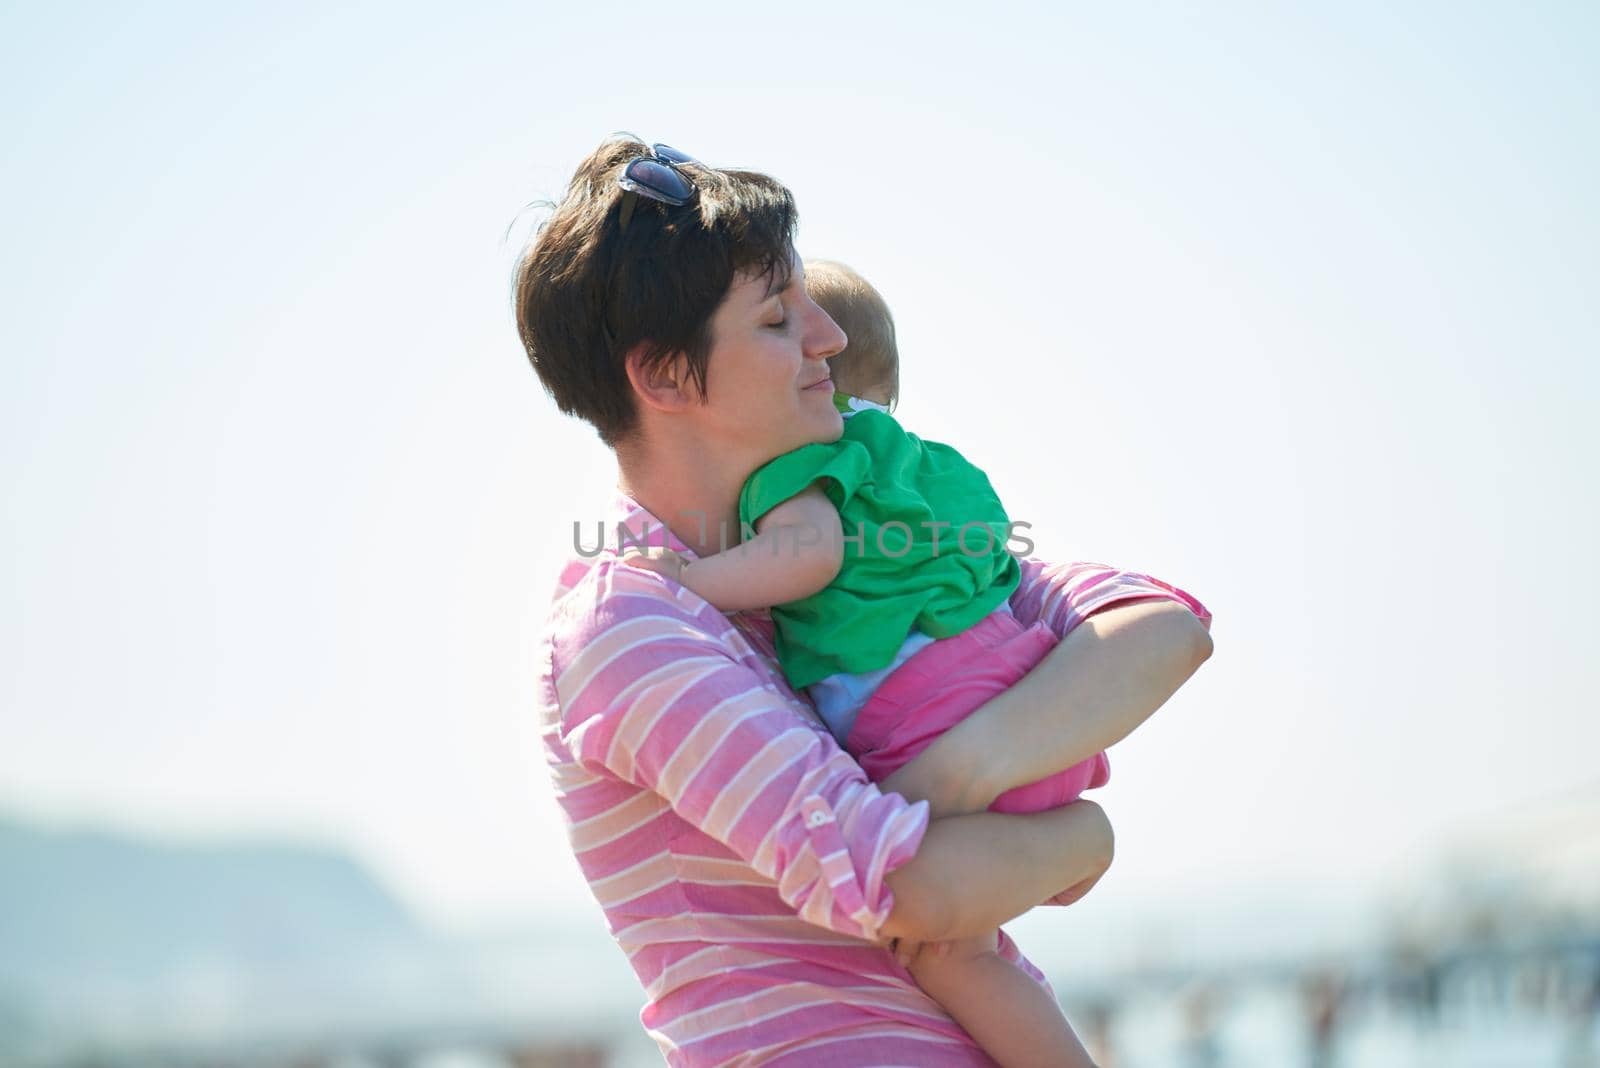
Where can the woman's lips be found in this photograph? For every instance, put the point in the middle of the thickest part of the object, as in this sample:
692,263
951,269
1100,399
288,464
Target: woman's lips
828,382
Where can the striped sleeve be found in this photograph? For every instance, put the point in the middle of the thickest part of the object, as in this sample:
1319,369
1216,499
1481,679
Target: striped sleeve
649,695
1065,595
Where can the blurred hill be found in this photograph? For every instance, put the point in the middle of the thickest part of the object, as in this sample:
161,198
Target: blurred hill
86,901
115,940
123,937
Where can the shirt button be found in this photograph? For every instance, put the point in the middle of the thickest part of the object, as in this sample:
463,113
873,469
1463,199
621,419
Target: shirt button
816,819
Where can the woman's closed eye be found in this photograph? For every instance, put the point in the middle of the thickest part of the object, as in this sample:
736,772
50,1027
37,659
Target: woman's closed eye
780,316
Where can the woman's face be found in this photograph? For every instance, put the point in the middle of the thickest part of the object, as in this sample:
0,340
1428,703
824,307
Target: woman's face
767,375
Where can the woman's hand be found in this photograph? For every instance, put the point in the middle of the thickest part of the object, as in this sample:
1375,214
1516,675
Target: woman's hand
1080,888
977,871
1074,892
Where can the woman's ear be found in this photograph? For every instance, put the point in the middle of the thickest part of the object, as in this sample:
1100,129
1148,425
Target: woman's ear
662,384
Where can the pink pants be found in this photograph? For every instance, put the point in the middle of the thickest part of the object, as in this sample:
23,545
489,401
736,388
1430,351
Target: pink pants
942,684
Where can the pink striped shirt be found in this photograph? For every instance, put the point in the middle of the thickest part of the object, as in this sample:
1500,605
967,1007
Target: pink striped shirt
737,852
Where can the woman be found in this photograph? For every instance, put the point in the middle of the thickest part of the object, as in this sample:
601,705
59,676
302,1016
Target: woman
752,874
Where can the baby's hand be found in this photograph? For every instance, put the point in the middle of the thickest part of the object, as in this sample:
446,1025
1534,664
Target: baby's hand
666,562
907,953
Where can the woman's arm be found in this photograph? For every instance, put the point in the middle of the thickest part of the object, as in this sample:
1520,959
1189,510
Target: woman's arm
1090,691
975,872
1105,678
647,695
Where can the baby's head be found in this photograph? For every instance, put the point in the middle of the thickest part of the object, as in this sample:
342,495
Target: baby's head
869,366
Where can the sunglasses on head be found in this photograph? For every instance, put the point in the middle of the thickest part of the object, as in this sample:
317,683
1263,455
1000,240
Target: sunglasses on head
657,176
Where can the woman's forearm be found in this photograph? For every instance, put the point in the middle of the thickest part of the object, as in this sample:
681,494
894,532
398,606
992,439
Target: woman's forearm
974,872
1104,679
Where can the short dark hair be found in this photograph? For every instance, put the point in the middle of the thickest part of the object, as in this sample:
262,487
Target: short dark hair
587,291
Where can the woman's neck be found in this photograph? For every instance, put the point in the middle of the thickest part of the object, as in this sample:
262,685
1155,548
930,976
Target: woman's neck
698,501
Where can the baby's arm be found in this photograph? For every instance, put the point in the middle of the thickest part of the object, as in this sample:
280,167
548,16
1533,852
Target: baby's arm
1013,1018
797,550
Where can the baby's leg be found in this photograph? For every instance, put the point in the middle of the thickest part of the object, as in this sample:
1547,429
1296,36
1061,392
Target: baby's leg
1011,1016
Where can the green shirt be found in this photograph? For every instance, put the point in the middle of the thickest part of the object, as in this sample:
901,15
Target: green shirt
904,571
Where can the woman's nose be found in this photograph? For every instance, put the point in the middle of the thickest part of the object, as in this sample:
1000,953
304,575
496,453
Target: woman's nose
825,338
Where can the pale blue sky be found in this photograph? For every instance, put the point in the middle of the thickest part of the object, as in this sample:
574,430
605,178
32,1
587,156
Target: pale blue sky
1294,309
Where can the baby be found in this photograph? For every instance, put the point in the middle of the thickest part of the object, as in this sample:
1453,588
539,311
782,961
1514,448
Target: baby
897,625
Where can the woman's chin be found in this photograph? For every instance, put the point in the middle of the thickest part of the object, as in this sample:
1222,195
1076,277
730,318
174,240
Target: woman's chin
835,429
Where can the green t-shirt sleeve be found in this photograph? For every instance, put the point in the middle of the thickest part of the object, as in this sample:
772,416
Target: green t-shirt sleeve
843,466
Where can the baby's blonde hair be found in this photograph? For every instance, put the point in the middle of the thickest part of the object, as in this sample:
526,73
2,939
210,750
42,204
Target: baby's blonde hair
869,366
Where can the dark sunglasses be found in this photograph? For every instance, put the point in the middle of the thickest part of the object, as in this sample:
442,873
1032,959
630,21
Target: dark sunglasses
657,176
